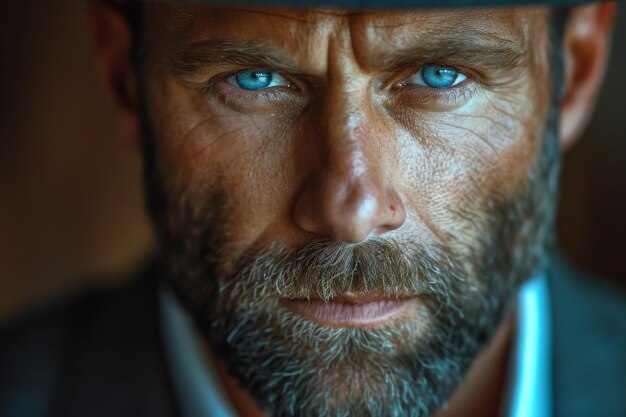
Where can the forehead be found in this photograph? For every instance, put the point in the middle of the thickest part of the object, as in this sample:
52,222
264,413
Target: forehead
297,30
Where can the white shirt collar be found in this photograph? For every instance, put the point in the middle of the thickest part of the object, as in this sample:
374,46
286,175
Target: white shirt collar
197,388
200,394
530,384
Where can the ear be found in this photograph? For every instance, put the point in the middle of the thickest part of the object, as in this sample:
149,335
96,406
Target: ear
112,38
586,46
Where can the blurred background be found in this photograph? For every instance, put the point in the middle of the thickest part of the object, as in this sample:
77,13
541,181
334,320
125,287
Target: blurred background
71,208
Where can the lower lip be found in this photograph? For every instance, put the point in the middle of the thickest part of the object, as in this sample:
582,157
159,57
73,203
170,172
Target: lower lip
343,314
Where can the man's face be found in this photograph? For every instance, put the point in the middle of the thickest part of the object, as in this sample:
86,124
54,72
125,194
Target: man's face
349,201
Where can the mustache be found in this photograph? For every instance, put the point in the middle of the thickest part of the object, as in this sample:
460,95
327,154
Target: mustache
329,270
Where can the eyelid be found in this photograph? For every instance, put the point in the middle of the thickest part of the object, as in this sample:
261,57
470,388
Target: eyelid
418,73
436,99
223,88
276,78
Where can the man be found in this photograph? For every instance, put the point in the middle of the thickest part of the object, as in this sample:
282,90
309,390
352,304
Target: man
354,208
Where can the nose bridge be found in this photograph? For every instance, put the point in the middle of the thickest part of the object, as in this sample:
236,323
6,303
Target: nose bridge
349,197
347,137
346,121
353,187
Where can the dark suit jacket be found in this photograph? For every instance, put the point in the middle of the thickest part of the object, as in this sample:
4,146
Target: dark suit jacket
101,354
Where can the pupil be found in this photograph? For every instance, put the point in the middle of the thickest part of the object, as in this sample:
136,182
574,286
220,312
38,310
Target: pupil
262,76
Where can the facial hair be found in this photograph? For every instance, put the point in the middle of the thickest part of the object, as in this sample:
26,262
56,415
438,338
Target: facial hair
406,367
293,367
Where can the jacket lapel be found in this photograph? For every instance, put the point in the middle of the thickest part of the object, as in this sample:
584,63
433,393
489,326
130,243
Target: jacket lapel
116,364
589,356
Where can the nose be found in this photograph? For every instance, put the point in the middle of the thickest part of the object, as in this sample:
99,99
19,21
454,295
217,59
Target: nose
350,194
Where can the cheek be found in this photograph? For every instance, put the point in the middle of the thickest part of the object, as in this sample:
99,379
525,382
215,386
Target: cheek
206,149
459,163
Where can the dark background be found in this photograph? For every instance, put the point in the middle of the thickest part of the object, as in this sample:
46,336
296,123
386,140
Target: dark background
71,211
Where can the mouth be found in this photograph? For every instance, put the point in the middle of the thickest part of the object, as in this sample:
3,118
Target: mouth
349,310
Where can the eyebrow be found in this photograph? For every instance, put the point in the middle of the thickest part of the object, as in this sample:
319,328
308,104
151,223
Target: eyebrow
482,50
477,49
253,54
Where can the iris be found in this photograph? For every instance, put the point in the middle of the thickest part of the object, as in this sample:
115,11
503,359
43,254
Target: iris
253,79
436,76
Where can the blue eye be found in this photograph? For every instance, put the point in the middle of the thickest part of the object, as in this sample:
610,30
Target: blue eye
436,76
257,80
253,80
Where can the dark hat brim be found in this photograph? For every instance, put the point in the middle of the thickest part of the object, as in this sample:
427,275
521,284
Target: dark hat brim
387,4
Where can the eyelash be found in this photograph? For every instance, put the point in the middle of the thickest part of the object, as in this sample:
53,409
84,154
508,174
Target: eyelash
408,95
239,98
416,96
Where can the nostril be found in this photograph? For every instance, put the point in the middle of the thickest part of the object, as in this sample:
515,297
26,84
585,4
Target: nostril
380,230
394,217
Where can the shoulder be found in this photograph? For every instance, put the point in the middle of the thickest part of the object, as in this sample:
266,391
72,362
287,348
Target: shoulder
96,354
586,304
34,349
589,321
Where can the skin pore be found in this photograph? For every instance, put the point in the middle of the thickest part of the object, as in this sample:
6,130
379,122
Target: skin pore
346,189
350,149
349,178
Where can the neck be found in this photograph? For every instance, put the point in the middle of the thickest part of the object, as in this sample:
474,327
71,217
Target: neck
482,391
242,402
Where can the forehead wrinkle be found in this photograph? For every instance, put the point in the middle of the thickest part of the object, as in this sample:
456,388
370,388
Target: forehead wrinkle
373,37
302,15
447,17
297,29
439,34
497,25
299,17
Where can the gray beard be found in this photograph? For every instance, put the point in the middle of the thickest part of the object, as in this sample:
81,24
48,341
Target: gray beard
294,367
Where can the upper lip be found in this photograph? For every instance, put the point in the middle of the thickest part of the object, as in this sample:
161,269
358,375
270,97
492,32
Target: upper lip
354,298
